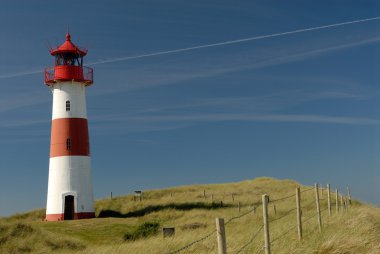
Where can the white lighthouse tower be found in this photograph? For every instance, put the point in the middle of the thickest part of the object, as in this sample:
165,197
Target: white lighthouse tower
70,193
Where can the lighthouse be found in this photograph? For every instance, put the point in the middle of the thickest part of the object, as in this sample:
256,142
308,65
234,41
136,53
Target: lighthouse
70,194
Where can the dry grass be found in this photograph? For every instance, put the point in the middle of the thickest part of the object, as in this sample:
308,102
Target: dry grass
193,216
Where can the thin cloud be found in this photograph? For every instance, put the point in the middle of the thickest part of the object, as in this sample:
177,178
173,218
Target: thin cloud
224,43
255,38
258,118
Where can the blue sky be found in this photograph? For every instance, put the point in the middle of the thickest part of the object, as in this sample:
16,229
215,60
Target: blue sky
303,106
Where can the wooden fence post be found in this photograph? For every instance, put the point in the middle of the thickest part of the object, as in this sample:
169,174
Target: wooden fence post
299,213
233,197
265,199
341,202
204,194
239,207
337,201
344,204
328,199
318,208
274,210
221,236
349,195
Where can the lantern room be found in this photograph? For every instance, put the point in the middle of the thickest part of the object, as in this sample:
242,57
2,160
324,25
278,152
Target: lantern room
68,65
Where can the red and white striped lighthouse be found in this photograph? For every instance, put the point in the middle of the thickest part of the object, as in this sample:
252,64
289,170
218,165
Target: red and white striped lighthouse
70,193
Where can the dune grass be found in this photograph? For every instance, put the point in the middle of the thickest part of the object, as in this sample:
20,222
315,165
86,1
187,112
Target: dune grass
193,216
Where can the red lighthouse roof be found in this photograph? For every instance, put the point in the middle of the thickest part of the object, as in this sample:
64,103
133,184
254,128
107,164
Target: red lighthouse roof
68,47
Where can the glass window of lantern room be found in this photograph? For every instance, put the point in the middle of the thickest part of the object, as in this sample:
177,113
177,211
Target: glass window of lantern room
68,105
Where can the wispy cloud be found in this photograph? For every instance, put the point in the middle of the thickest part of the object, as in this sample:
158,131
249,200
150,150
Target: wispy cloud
217,44
176,73
259,118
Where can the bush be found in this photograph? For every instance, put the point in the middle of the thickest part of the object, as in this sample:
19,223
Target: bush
142,231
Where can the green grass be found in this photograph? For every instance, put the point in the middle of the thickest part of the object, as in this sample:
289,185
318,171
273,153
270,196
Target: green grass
193,216
144,230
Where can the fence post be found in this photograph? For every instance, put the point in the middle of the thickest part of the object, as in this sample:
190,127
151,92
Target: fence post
274,210
345,204
204,194
111,194
349,195
265,199
221,236
341,202
239,207
299,213
337,201
233,197
318,208
328,199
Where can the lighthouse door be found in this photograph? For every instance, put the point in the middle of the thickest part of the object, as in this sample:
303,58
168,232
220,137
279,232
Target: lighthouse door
69,208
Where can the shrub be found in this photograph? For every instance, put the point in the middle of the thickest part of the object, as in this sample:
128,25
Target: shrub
142,231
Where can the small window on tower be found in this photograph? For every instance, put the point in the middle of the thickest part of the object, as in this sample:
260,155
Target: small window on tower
68,144
67,105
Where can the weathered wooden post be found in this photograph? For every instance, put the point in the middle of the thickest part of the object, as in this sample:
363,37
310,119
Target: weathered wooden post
274,210
328,199
337,201
344,204
341,203
239,207
349,195
318,208
233,197
299,213
221,236
265,199
204,194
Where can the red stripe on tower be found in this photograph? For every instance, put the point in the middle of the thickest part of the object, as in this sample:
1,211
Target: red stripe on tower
69,136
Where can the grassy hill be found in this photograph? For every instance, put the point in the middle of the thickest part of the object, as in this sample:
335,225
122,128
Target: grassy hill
127,226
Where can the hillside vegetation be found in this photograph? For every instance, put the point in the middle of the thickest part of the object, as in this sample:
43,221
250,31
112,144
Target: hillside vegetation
127,226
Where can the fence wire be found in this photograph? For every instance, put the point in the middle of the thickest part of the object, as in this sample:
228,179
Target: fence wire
260,248
281,199
283,216
192,243
242,215
211,233
283,234
250,240
307,189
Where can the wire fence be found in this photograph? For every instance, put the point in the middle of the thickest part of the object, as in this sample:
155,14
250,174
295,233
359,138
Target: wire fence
301,219
251,240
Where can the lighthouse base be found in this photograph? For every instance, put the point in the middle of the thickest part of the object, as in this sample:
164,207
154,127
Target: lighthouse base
61,216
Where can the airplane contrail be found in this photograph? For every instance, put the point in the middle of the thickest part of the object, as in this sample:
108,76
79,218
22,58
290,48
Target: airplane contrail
119,59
